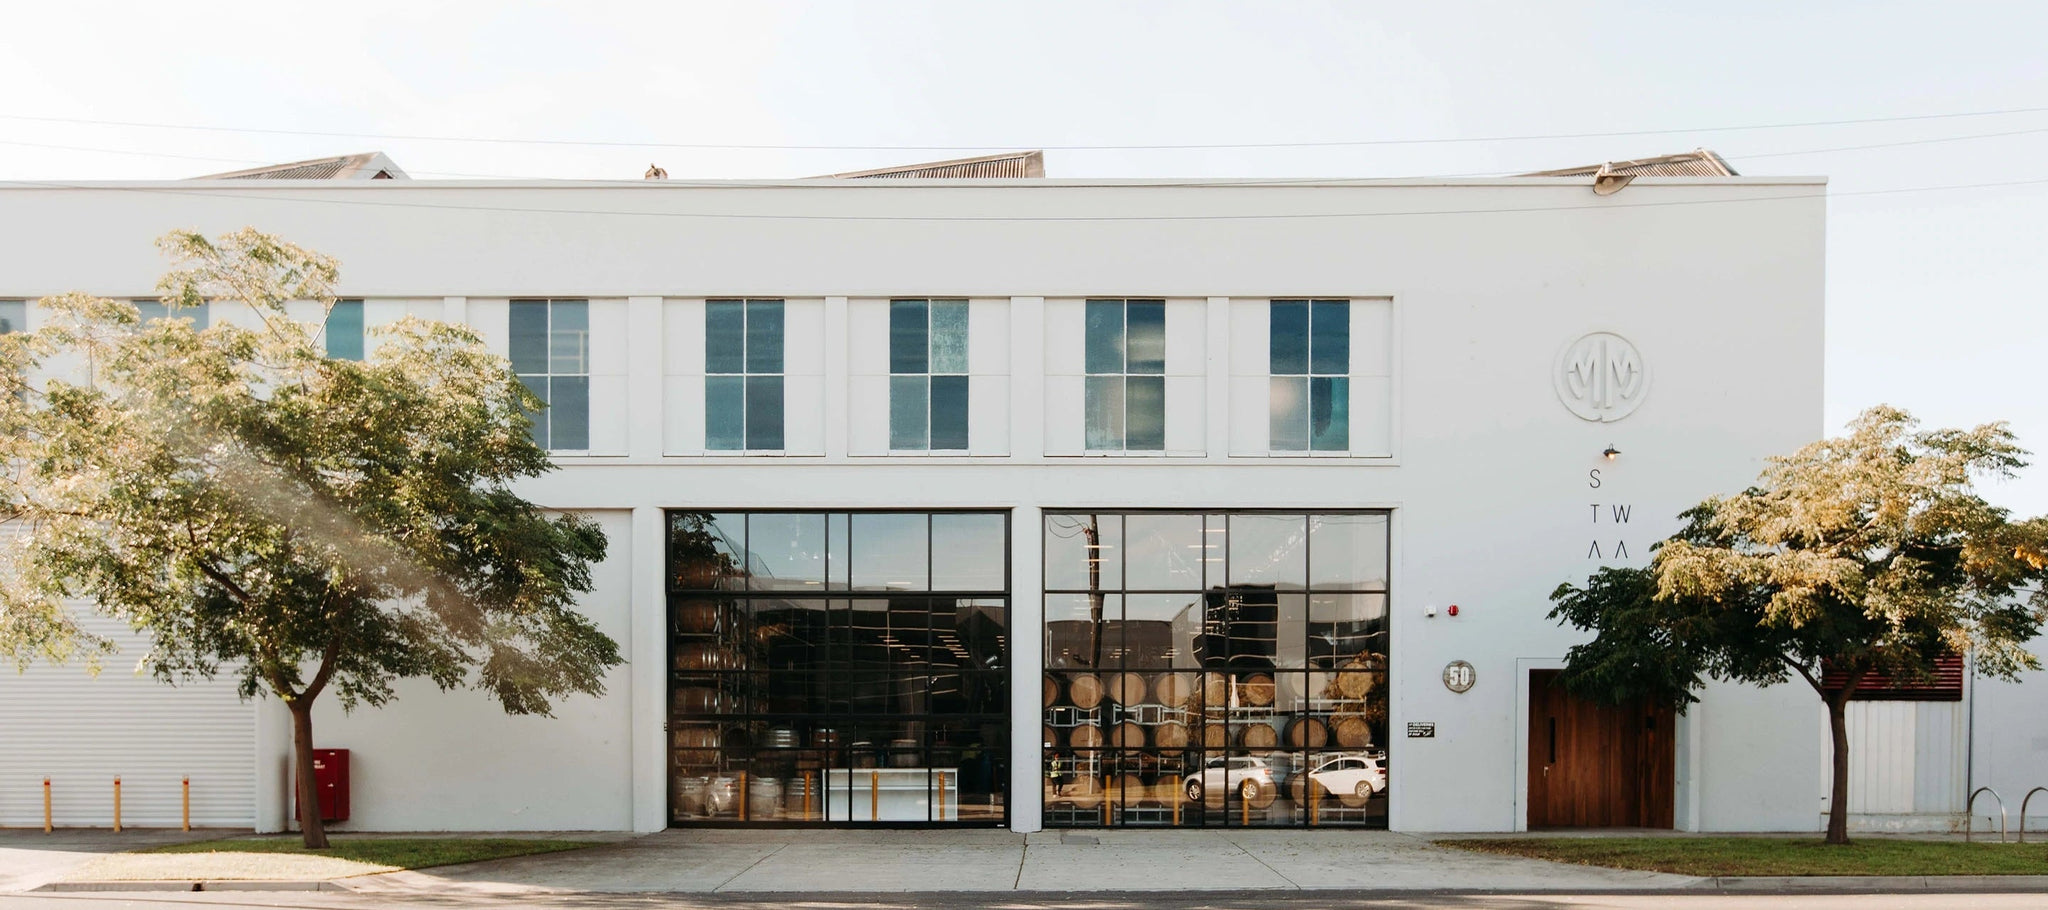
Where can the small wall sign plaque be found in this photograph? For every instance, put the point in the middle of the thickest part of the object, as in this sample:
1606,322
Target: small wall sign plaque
1459,676
1422,731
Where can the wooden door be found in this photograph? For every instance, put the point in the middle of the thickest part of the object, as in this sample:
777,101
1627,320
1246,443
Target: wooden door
1597,766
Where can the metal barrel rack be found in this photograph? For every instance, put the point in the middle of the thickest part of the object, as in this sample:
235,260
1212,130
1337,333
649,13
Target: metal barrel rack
2023,811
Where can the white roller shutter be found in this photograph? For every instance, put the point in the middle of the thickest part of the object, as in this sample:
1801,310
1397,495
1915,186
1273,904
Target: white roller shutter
81,731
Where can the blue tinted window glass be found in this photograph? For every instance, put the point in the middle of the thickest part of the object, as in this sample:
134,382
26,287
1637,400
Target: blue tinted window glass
1147,337
569,412
1288,338
344,332
1287,430
1104,403
1145,413
949,336
764,342
538,385
1330,344
569,336
1330,413
528,324
909,348
892,552
949,412
13,316
150,309
908,406
1105,342
725,338
764,409
725,413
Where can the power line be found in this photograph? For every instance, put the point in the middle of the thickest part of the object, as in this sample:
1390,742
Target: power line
500,140
1273,216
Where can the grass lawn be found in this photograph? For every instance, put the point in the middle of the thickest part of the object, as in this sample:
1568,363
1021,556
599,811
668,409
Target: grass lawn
1774,855
284,857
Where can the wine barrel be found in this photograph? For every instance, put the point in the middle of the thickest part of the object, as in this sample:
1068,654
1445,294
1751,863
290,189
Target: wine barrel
1258,738
1215,689
704,655
699,700
696,737
1132,791
1358,684
1051,688
1350,730
1127,688
1052,738
1085,691
702,616
1128,735
1256,690
1307,733
1085,736
1215,737
1173,690
1170,735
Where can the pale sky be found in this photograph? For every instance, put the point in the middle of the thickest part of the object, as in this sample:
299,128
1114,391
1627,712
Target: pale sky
1935,300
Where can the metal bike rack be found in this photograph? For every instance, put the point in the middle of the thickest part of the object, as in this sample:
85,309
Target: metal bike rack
2023,810
1970,815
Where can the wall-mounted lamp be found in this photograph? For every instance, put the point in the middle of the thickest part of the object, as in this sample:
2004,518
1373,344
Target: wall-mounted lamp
1610,453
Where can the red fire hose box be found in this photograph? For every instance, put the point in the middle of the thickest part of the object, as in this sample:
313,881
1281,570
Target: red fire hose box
330,782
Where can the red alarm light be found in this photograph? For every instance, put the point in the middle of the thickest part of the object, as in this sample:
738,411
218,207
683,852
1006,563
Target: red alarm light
1453,610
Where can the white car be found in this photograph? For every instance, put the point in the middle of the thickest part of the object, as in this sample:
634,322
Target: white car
1352,778
1249,776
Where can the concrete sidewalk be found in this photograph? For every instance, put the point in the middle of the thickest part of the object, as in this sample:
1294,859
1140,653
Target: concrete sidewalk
30,859
732,861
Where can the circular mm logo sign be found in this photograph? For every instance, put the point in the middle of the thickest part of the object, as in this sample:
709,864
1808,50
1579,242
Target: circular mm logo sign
1601,377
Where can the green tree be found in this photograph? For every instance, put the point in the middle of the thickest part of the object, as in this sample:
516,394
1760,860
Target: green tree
1870,555
259,509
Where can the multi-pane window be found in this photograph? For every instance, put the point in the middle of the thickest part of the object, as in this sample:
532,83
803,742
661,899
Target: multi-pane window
1216,668
344,330
743,342
928,375
156,309
1125,357
551,354
1311,366
845,667
13,316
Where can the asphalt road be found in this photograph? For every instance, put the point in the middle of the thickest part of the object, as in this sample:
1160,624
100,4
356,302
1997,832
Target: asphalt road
1015,901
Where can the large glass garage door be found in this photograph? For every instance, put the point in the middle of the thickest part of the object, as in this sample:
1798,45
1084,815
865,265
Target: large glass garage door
1215,668
838,667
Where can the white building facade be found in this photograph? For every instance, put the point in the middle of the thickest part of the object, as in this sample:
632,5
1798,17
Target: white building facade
1035,502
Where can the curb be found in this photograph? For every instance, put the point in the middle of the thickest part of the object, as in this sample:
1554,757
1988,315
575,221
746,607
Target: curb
1878,883
193,885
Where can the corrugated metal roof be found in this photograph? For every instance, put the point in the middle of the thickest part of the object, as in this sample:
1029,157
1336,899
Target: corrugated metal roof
1008,164
359,166
1696,163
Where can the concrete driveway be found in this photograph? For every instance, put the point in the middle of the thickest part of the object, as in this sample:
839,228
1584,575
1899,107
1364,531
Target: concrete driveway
897,861
30,859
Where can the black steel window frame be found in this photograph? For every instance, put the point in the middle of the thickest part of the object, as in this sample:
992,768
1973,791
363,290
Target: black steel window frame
1229,815
672,591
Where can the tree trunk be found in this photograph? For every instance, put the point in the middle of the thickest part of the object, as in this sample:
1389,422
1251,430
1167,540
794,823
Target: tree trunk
1838,803
310,825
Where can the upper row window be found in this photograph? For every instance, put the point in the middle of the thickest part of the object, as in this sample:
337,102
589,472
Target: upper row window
343,332
151,310
551,353
1125,357
743,342
928,375
13,316
1310,364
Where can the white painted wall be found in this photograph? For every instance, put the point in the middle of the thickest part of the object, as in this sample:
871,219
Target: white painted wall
1489,476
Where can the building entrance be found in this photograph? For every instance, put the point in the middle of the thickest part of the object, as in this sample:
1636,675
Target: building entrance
839,667
1594,765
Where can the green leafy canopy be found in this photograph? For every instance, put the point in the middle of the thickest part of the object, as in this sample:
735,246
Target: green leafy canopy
1871,553
260,509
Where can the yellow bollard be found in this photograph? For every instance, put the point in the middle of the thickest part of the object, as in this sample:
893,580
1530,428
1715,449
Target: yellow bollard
1244,807
1314,801
807,796
46,805
942,796
117,803
743,796
874,796
1178,787
1105,800
186,808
